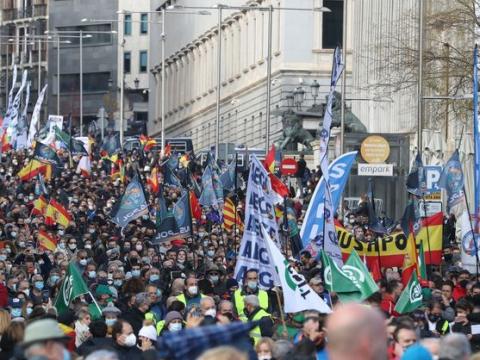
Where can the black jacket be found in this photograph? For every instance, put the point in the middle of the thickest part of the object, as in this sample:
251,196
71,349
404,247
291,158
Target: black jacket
93,344
135,318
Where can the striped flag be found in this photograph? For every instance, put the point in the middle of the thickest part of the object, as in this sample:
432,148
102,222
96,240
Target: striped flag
33,168
56,213
40,206
45,241
147,142
269,161
229,218
152,180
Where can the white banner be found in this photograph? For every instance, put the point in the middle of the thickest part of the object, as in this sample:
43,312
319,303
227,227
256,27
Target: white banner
7,118
22,125
12,126
53,120
259,212
35,117
297,294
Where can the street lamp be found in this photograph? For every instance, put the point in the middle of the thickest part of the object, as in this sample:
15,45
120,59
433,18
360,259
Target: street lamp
315,87
299,96
136,83
290,100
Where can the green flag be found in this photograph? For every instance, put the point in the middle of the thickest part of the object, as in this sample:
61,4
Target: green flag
72,287
336,280
421,262
411,297
62,136
359,274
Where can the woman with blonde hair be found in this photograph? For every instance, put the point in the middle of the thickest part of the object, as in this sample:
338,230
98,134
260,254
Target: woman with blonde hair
5,320
12,337
264,348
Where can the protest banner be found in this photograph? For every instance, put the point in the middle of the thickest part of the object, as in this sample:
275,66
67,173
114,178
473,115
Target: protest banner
393,248
259,212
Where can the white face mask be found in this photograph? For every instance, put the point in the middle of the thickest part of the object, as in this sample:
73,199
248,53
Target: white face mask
211,312
131,340
264,357
175,327
193,290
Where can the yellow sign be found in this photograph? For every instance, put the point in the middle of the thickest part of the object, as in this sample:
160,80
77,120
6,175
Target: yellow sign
375,149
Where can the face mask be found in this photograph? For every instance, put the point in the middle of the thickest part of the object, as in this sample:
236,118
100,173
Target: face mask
175,327
21,243
88,246
39,285
72,246
265,357
8,250
433,318
54,279
14,235
117,283
136,273
27,292
110,322
154,277
83,262
29,310
91,231
16,312
252,285
193,290
66,355
214,279
130,340
3,257
61,246
210,253
92,274
61,232
139,247
211,312
31,197
205,243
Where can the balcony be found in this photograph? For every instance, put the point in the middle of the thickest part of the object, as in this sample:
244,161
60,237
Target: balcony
17,14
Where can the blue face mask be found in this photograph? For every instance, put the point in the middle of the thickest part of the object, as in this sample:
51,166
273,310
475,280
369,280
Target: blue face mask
66,355
29,310
154,277
136,273
54,279
117,283
110,322
16,312
92,274
252,285
39,285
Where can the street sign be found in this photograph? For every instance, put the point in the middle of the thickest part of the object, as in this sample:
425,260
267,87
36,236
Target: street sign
288,167
375,169
432,175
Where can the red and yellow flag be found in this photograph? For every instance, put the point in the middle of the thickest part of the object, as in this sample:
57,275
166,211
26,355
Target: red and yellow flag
57,214
147,142
269,161
33,168
45,241
40,206
230,216
152,180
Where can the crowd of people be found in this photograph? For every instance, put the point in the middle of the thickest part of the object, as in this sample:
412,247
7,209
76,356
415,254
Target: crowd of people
148,292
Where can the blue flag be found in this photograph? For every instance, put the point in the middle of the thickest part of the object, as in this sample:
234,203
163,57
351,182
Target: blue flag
411,220
339,170
44,152
183,215
169,177
167,225
476,137
452,180
172,161
132,205
208,197
111,144
416,182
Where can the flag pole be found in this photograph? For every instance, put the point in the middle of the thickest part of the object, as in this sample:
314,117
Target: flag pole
282,315
285,225
428,232
379,255
235,201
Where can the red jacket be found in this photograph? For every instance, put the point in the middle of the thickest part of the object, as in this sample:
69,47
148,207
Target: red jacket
388,305
3,296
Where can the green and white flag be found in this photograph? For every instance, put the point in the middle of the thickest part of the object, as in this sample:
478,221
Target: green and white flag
72,287
411,297
356,270
297,294
338,281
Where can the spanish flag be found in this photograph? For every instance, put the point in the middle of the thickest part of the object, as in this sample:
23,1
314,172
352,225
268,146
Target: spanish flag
147,142
168,150
56,213
40,206
33,168
45,241
229,218
152,180
269,161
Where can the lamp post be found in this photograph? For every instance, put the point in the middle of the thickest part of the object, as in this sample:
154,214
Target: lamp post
219,75
298,97
315,87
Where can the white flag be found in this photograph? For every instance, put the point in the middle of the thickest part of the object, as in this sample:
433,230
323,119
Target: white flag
36,116
297,294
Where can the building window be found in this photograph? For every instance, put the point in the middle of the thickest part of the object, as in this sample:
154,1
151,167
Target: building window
127,25
143,61
98,34
127,62
332,32
143,23
92,82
